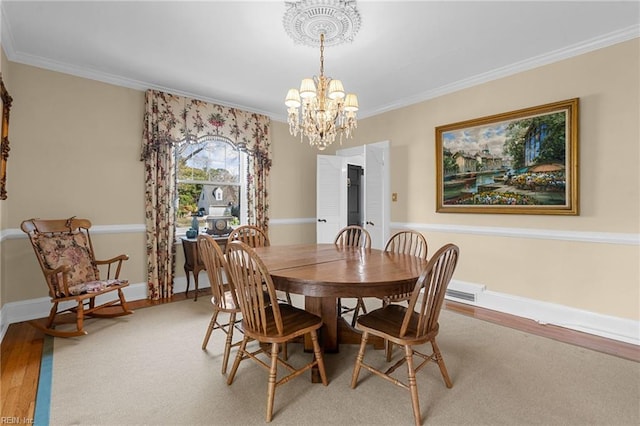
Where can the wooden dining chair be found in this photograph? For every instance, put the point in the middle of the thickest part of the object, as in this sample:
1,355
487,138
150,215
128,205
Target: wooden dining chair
65,253
412,326
224,295
406,242
353,236
253,236
268,322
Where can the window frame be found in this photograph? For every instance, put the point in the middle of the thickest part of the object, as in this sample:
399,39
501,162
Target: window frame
242,184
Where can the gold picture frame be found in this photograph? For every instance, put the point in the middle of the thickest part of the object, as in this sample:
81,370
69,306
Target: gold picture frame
519,162
6,108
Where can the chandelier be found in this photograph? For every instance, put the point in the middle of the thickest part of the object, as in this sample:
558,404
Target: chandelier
320,109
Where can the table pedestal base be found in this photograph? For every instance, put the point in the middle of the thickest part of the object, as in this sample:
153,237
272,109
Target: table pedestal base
335,330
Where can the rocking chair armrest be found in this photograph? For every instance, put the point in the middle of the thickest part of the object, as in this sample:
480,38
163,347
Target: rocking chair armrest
60,269
118,259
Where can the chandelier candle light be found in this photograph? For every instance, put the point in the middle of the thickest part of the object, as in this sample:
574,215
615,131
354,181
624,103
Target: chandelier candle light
321,109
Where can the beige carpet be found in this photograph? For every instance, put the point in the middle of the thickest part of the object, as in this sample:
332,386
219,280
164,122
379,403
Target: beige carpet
148,368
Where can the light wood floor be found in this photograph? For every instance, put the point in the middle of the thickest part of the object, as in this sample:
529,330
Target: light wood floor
21,351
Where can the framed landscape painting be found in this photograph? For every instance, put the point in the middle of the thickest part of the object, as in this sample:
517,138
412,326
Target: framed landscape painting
519,162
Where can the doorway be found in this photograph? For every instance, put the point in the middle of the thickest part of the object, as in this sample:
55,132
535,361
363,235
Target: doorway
365,203
354,194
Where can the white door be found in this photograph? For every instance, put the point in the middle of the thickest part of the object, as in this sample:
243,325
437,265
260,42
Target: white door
376,193
331,197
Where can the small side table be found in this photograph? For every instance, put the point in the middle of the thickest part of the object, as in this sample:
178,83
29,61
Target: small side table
192,261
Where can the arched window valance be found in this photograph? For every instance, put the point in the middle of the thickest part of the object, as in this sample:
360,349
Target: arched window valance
171,118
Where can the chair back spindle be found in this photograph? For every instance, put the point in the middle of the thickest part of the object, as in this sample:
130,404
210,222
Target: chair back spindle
251,235
353,236
408,242
255,289
216,266
429,291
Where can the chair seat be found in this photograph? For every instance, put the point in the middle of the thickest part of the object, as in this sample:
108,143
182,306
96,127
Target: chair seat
229,303
387,322
95,286
295,322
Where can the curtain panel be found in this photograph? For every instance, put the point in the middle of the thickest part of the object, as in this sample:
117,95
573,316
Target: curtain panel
168,120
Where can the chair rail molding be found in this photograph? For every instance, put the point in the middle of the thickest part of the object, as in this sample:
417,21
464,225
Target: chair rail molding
492,231
14,233
543,234
539,234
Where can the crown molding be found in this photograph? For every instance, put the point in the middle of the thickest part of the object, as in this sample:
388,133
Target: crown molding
606,40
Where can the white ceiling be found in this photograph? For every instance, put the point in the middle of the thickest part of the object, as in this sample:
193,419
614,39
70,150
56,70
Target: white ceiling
237,53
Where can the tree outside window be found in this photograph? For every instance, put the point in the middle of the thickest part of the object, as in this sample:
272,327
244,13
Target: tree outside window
210,174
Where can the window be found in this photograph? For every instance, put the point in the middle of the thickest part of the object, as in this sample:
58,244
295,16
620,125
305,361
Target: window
211,178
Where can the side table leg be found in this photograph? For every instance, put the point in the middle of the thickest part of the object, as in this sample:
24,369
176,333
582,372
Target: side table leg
196,272
186,272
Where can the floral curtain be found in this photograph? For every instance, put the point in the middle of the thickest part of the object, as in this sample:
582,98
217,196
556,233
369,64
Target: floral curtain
169,119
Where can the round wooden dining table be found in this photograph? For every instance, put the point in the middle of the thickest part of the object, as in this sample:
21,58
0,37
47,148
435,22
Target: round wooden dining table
325,272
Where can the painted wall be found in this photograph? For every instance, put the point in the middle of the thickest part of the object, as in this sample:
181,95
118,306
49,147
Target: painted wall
597,277
75,147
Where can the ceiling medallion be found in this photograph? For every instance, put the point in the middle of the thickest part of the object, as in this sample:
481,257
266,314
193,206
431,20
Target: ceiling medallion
306,20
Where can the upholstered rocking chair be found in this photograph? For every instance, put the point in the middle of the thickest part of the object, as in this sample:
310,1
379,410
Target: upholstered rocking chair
65,253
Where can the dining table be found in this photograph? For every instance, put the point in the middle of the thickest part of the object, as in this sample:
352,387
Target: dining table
323,273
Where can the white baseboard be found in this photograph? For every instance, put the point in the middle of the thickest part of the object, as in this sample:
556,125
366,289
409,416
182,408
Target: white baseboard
26,310
620,329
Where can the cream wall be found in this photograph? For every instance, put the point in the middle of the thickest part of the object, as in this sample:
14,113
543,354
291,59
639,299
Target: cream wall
597,277
292,195
75,147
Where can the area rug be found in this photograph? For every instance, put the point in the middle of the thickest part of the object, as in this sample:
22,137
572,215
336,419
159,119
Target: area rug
149,369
